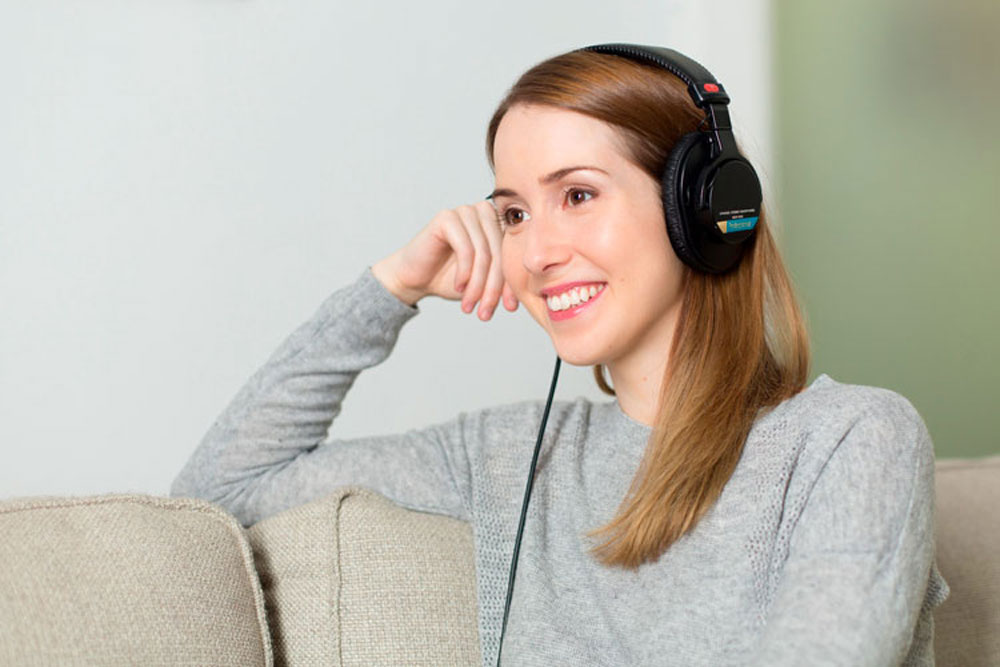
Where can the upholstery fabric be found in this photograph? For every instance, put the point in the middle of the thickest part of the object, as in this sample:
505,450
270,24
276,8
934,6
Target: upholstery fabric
967,521
408,586
127,579
296,555
350,579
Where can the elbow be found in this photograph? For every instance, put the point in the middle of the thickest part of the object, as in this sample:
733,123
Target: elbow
185,484
234,498
197,481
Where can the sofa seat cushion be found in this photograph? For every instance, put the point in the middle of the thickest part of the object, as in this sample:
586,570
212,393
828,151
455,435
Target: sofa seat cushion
127,579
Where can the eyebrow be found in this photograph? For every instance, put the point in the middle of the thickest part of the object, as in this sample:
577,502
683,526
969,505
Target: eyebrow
545,180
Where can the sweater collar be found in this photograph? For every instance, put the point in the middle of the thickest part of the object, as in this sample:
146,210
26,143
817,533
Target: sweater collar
622,423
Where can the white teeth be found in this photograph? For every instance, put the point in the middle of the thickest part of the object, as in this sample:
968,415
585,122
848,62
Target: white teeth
573,297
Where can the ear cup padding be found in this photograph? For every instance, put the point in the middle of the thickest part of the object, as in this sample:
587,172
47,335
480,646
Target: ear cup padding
681,230
689,167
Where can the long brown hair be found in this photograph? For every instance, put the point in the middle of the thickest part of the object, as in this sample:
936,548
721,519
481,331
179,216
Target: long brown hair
740,345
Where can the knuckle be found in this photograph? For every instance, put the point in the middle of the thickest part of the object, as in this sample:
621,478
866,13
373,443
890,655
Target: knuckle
445,216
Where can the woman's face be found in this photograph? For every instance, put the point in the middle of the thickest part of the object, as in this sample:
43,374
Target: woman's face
577,214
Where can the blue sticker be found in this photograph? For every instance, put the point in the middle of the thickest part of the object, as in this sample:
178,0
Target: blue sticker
740,224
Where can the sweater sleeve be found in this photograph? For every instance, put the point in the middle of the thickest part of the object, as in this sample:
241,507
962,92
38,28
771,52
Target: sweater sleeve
859,583
268,450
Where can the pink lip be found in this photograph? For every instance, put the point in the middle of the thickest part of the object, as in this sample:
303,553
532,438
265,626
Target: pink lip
559,315
565,287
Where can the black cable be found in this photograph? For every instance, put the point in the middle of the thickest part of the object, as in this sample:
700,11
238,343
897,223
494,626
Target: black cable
524,507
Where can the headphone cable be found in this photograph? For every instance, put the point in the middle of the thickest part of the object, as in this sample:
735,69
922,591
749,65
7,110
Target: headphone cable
524,507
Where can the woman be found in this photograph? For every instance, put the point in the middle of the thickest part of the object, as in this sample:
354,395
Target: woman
718,512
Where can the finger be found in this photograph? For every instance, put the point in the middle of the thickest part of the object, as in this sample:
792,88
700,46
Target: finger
461,245
492,223
494,281
509,300
481,260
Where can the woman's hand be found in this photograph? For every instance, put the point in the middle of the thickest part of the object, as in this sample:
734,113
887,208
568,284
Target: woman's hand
456,256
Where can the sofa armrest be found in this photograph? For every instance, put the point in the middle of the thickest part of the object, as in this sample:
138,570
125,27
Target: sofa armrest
967,525
127,579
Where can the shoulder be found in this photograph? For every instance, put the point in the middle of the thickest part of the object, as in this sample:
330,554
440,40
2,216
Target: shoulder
849,436
860,466
830,411
827,401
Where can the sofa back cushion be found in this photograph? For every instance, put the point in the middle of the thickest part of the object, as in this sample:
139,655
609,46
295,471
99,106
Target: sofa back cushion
298,565
127,579
408,582
352,579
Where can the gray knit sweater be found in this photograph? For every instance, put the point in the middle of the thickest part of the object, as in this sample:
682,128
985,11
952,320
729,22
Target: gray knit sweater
820,549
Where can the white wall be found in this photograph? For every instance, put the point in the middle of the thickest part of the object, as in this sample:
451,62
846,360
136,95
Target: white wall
182,182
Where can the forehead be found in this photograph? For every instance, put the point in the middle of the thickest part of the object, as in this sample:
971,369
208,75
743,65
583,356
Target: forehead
536,140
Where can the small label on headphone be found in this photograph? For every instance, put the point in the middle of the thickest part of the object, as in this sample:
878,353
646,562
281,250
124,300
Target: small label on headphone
736,225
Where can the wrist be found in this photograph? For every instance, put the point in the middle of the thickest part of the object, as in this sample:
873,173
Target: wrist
385,273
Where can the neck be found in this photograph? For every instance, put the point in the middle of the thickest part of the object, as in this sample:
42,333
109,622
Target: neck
637,387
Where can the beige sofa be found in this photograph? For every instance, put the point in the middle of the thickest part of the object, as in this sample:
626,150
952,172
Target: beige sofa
351,579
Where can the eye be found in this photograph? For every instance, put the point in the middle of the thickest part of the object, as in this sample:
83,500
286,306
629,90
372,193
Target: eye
512,215
576,196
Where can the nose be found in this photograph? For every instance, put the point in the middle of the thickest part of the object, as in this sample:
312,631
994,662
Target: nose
546,245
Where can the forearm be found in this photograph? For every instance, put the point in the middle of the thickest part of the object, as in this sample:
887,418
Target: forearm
287,406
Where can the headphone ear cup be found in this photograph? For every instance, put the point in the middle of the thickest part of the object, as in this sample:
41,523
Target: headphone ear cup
680,220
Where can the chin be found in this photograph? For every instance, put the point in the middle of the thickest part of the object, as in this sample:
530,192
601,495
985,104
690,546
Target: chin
576,350
575,356
577,361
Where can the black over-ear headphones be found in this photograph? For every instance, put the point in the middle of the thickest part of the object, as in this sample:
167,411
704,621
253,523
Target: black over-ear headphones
711,193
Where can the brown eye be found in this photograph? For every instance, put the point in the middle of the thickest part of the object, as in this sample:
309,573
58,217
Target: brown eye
576,196
513,216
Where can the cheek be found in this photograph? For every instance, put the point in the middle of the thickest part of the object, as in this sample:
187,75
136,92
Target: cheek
515,275
511,265
645,247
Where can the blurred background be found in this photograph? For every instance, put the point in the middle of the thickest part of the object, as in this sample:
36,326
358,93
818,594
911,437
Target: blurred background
182,183
889,160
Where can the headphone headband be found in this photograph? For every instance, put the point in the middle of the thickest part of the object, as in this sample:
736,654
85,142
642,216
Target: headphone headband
702,86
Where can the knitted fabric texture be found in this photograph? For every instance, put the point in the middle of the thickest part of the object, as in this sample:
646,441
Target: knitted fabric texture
820,549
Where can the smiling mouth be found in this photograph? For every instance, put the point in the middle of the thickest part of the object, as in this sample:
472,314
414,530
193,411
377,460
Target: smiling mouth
574,297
